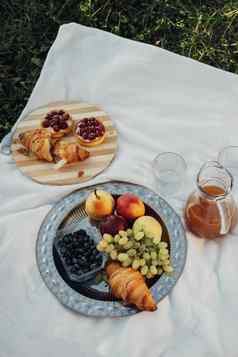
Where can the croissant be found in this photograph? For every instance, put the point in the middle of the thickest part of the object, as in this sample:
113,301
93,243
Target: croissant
37,141
129,285
65,152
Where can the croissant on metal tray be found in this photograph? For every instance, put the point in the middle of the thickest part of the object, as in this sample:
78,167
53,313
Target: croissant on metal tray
129,285
38,141
65,152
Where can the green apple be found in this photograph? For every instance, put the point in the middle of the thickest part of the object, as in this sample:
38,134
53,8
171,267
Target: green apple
149,226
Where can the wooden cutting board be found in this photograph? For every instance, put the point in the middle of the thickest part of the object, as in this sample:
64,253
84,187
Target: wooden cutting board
45,172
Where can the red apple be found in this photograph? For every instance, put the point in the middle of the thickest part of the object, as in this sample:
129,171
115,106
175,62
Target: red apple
113,224
130,206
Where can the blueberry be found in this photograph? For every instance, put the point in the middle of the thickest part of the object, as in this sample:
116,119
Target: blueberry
82,232
73,270
79,252
68,261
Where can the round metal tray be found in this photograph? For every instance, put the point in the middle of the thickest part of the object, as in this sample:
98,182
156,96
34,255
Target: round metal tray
94,298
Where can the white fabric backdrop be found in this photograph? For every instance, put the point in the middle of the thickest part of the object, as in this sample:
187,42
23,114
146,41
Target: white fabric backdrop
160,102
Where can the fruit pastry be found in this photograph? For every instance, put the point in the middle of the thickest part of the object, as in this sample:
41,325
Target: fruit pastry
58,122
67,153
38,142
129,285
90,132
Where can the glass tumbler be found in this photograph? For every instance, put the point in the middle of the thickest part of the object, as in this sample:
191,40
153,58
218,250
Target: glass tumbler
228,157
169,170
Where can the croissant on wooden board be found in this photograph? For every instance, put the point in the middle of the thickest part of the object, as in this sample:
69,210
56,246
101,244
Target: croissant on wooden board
44,147
129,285
38,141
65,152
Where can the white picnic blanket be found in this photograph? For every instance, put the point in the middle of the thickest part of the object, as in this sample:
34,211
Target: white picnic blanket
159,101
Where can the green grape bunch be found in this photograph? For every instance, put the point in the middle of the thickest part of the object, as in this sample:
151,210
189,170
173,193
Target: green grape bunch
147,255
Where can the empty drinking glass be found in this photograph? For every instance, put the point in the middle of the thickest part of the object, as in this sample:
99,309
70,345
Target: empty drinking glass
169,170
228,157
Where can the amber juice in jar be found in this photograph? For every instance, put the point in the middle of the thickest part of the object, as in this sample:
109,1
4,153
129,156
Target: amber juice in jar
210,210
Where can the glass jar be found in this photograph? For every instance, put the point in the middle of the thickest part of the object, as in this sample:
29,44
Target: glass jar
211,210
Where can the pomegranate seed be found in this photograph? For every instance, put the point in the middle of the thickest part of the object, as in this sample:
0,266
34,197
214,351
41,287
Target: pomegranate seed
62,120
45,124
82,132
91,136
53,122
63,125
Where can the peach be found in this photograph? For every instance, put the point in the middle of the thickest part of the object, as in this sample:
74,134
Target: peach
99,204
130,206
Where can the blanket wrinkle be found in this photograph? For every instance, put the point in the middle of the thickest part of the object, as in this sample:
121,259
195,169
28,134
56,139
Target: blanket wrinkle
216,267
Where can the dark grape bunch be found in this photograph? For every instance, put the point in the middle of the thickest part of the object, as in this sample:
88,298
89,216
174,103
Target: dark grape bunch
56,119
90,128
79,252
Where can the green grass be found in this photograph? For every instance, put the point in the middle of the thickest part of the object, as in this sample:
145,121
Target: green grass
204,30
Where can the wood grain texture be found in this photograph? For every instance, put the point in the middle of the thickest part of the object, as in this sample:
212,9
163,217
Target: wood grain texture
44,172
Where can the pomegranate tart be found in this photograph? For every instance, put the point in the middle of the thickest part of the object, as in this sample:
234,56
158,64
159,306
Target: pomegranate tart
90,131
58,122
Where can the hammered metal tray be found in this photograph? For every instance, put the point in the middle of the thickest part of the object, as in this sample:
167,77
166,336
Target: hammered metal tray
94,298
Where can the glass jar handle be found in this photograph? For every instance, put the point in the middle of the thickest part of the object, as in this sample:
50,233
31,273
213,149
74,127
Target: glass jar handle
225,207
